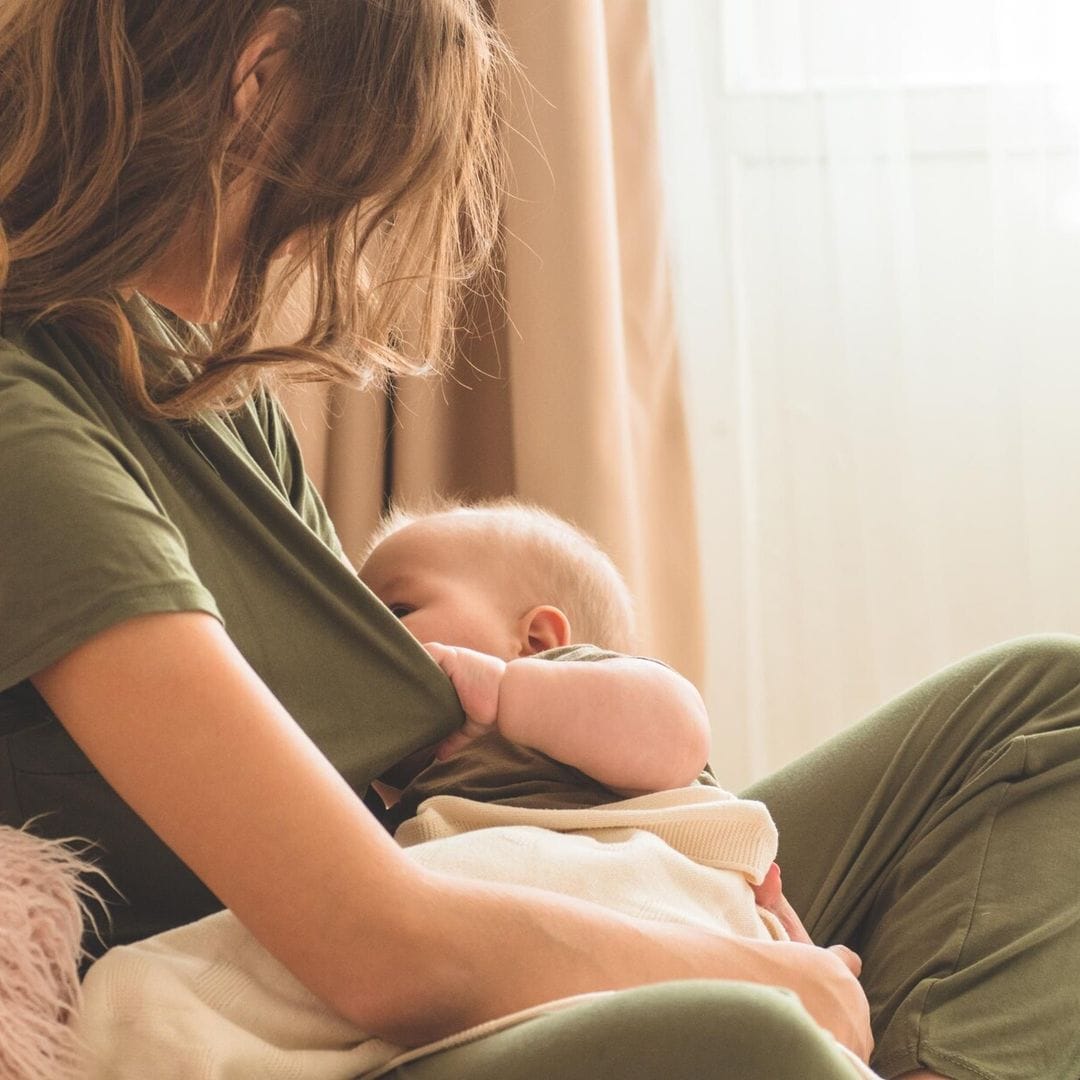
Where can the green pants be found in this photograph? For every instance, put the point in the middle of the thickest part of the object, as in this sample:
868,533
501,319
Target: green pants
940,839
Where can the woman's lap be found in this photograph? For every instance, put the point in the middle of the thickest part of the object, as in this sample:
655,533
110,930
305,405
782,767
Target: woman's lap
695,1030
937,838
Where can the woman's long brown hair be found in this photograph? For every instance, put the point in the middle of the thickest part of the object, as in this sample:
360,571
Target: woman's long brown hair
386,177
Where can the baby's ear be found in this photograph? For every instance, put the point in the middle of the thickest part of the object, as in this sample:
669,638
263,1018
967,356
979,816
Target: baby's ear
545,627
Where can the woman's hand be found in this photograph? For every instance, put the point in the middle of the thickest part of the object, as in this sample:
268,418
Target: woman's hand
850,1023
826,981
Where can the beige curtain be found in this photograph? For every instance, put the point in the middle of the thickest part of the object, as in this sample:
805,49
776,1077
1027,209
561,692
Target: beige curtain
572,398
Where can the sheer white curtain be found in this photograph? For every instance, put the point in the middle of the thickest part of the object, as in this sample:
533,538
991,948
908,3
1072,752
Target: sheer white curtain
875,217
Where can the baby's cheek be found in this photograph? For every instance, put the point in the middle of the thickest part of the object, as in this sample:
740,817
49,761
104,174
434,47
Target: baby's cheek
407,622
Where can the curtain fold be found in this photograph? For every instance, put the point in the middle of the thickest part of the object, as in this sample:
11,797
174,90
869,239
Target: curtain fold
571,398
874,214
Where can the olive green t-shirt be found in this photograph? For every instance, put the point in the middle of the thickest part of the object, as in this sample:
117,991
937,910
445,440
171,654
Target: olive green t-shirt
105,516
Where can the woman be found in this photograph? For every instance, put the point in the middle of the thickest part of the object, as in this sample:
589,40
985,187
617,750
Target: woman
193,677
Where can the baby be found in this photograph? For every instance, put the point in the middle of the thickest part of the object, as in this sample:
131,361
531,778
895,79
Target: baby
498,591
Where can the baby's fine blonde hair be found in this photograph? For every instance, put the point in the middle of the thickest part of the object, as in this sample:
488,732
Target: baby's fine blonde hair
554,562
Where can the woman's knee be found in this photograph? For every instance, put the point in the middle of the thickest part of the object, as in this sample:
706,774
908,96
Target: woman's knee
1045,651
1043,664
745,1030
678,1031
765,1031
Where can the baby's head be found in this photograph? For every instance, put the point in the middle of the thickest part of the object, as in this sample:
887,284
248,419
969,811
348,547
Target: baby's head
499,577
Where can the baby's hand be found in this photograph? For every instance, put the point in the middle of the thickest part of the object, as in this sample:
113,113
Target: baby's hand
476,677
769,895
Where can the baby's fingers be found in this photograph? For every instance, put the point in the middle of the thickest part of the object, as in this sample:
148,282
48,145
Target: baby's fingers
438,652
770,896
790,921
769,891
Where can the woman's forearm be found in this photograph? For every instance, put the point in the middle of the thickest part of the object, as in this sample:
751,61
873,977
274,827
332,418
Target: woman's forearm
187,734
482,951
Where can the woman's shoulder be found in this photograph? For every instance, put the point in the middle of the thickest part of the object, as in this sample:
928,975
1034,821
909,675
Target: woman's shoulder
22,354
42,369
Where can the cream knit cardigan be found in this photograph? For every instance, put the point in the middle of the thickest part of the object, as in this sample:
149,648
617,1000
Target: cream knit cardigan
206,1001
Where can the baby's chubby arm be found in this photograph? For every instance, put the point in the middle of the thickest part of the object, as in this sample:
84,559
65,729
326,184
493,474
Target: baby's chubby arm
630,723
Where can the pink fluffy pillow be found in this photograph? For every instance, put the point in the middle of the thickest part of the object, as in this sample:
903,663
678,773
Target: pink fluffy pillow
43,889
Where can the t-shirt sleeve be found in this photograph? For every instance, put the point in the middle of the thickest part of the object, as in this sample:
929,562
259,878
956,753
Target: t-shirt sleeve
589,653
84,542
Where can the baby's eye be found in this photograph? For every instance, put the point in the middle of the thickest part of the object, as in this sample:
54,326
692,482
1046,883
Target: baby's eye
399,611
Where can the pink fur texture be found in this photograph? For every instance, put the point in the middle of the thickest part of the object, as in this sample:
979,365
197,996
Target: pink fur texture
42,910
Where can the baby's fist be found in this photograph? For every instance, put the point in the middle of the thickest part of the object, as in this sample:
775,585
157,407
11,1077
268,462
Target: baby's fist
476,678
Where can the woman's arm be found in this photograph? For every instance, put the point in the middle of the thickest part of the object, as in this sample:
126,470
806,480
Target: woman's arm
632,724
178,723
